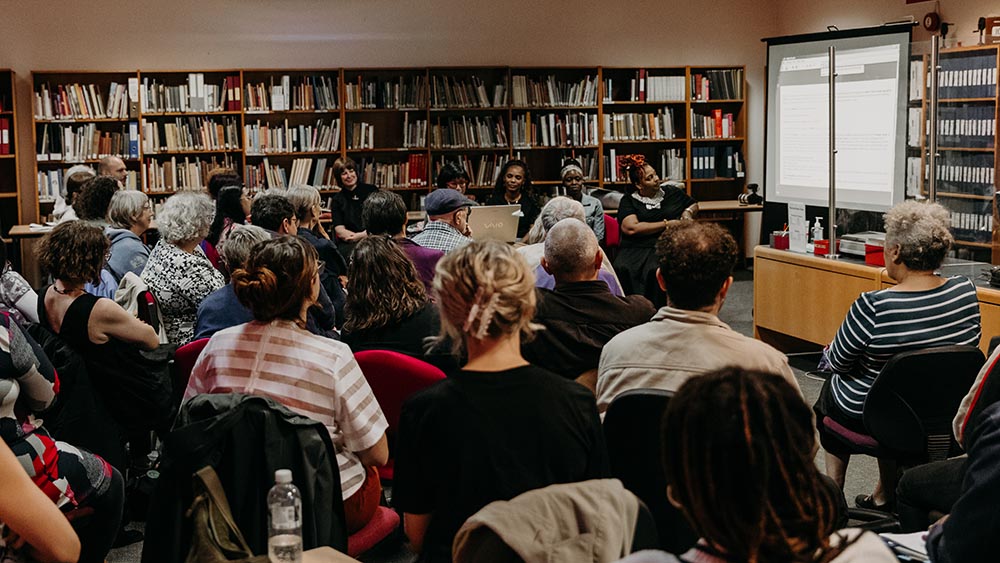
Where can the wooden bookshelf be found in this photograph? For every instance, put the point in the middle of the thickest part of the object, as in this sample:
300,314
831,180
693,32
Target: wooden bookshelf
967,164
402,124
10,200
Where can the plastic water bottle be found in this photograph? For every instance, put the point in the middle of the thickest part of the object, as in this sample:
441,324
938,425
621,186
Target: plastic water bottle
284,530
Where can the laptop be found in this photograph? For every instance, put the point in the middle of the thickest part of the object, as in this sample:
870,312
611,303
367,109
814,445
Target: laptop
495,222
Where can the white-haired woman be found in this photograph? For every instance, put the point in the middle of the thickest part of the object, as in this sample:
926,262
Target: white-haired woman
923,310
555,210
461,445
130,215
178,273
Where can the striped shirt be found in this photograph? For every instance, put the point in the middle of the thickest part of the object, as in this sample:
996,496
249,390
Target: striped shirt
311,375
884,323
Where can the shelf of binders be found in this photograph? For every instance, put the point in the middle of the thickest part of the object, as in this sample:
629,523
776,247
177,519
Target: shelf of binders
10,195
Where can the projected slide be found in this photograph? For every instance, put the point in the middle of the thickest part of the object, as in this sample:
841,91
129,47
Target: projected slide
869,104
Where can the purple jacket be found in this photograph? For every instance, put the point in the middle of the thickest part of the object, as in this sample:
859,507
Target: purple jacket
425,259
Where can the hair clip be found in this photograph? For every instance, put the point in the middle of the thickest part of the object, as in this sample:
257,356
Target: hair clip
474,310
487,317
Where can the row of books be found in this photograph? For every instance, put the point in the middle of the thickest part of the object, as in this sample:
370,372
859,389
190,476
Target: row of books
717,125
464,132
716,162
639,126
191,133
970,126
414,133
386,94
451,92
645,88
266,175
550,92
361,136
68,143
5,135
723,84
194,96
482,171
266,138
669,163
395,175
189,173
85,101
51,183
968,76
307,93
554,130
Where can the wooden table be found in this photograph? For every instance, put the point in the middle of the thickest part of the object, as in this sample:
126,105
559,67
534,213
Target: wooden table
800,300
18,233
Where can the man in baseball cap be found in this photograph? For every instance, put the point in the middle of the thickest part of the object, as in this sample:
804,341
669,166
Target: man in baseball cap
447,221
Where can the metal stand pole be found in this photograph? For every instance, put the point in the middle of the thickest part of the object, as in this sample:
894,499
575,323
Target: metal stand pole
932,138
832,56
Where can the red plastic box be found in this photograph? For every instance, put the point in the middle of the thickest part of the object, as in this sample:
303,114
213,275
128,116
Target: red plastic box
821,247
874,255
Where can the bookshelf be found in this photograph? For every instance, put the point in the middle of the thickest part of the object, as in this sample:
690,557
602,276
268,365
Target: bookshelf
400,125
967,145
10,199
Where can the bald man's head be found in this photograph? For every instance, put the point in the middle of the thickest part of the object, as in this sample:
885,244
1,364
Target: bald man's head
114,167
571,252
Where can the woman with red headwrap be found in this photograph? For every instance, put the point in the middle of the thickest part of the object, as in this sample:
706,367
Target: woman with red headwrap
643,213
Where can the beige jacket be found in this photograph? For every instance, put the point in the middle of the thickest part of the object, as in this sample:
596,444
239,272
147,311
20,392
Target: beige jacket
676,345
571,523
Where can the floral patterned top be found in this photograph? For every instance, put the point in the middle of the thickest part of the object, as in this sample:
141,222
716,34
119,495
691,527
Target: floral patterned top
180,281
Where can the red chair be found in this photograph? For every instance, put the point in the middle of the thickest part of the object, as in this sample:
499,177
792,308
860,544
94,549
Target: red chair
381,526
612,236
394,377
184,359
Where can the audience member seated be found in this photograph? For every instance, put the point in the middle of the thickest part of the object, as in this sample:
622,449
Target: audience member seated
970,531
17,299
513,186
220,178
130,214
346,207
557,209
685,338
580,315
221,309
923,310
31,527
447,225
387,307
306,203
643,213
738,453
384,213
927,491
232,206
499,426
73,180
317,377
572,181
72,478
275,213
178,273
113,167
453,176
92,205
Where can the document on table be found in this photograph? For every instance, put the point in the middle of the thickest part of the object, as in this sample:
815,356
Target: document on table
797,227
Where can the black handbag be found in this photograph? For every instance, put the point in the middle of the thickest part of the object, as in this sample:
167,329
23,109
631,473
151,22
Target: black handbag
137,385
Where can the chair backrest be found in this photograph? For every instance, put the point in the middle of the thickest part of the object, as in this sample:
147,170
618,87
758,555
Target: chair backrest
911,405
184,360
632,429
394,377
612,236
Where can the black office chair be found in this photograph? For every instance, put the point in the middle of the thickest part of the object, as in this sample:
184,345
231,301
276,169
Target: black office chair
632,430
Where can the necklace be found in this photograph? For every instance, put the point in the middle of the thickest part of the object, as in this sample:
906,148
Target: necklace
65,291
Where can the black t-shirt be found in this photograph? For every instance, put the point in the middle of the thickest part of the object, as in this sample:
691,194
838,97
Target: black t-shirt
478,437
346,208
406,337
675,201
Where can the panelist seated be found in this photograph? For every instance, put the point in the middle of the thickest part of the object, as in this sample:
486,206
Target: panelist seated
922,311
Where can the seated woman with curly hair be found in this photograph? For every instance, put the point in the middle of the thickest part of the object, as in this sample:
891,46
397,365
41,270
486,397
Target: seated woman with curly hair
923,310
178,273
387,307
275,356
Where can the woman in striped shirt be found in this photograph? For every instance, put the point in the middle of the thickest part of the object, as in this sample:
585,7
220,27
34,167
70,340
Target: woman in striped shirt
922,311
276,356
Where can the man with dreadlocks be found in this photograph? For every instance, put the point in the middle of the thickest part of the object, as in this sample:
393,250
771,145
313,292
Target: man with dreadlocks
686,337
